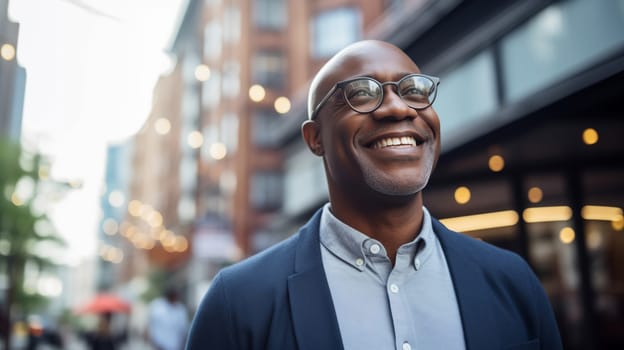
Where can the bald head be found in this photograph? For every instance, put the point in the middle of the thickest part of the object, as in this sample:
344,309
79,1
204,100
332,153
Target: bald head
356,59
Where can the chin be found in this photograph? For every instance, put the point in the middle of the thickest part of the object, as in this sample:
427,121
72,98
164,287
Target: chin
391,187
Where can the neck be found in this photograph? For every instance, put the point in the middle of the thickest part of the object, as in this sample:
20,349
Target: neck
393,222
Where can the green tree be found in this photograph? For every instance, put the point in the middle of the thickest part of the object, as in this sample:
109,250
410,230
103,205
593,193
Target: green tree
24,228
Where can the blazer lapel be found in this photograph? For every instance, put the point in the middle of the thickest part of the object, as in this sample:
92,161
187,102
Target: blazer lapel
313,315
471,290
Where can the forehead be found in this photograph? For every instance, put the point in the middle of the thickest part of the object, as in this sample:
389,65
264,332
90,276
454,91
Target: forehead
382,62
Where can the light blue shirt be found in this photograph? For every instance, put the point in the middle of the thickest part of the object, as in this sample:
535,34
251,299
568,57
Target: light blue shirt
409,306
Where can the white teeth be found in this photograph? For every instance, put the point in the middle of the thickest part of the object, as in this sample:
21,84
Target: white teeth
395,141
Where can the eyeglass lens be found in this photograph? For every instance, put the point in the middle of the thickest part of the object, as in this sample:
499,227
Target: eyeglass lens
364,95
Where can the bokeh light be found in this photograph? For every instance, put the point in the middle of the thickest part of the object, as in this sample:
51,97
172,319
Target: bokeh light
7,51
590,136
496,163
535,195
257,93
162,126
462,195
202,72
218,150
282,105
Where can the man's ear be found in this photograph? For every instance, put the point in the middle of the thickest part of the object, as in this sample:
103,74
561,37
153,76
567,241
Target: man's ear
311,132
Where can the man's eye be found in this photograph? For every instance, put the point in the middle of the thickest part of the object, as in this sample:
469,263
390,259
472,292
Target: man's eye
413,91
360,93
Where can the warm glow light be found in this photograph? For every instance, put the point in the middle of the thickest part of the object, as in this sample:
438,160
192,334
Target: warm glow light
110,226
590,136
7,52
159,235
257,93
146,211
132,232
547,214
599,212
154,219
535,195
218,151
482,221
195,139
169,241
16,200
202,72
111,254
594,240
566,235
181,244
496,163
162,126
134,207
462,195
116,198
618,224
282,105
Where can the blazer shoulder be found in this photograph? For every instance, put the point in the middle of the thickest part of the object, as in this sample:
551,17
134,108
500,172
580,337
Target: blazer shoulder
486,255
274,261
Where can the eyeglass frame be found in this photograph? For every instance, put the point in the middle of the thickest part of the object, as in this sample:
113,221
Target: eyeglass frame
341,84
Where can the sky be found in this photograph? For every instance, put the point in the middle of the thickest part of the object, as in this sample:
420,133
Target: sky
91,68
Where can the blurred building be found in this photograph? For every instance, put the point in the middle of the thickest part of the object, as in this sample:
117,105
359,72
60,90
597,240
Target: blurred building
529,102
240,66
112,248
12,77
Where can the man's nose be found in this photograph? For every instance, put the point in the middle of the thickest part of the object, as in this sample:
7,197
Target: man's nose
393,106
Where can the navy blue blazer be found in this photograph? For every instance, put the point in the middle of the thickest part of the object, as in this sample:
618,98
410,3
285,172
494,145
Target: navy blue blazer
280,299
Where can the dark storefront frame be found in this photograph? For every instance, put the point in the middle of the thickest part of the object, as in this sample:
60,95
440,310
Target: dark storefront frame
592,90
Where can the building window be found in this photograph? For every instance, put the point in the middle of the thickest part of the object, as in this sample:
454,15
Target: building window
270,14
231,79
334,29
266,190
231,25
265,128
212,40
229,131
211,92
558,42
268,69
456,102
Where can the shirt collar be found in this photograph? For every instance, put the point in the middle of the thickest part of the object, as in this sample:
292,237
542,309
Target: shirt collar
355,248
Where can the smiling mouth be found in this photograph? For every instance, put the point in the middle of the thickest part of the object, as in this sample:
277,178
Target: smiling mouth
396,142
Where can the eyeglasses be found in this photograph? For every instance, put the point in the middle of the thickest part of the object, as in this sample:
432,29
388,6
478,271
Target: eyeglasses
365,95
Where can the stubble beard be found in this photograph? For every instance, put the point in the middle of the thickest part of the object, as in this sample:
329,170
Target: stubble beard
382,183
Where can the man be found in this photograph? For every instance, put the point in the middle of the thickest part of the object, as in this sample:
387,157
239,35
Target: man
372,269
167,321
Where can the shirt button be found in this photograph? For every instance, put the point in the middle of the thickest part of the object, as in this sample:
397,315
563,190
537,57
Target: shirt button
407,346
375,248
394,288
417,263
359,262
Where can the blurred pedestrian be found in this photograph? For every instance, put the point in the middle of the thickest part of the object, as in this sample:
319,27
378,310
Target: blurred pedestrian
372,269
168,321
104,337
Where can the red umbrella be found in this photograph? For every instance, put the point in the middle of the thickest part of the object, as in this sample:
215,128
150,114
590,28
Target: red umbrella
103,303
